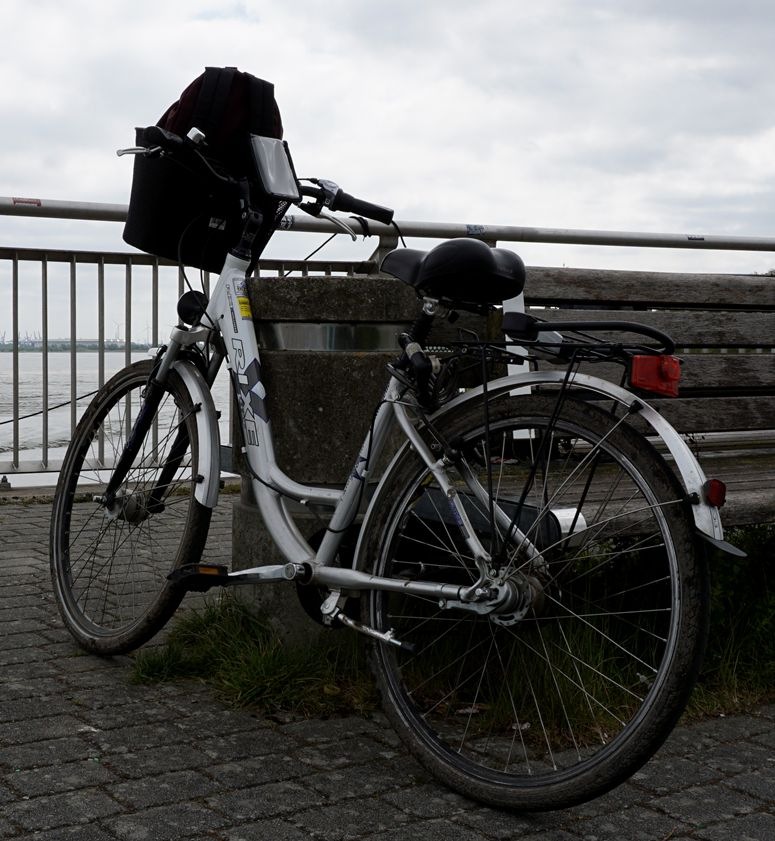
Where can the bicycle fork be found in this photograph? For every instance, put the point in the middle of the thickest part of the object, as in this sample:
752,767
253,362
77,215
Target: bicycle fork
130,508
152,397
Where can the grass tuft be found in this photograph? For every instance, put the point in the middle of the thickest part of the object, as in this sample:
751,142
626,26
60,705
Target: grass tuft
234,650
738,672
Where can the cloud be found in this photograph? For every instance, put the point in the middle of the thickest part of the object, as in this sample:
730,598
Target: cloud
613,114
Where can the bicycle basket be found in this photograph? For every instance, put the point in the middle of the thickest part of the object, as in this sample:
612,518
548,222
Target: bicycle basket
183,213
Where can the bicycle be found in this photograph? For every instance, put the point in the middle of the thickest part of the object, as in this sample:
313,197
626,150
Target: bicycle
529,569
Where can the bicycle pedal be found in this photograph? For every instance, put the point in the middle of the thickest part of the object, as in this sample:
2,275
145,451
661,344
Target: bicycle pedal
199,578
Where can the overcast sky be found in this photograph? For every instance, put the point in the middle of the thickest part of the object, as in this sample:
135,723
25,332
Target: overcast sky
648,115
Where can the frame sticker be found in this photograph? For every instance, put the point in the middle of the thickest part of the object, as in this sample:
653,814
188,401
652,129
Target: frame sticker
243,302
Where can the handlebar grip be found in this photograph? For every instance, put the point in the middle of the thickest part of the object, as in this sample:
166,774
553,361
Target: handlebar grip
157,136
349,204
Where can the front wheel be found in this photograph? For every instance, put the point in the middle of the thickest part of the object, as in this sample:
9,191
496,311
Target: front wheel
556,702
109,563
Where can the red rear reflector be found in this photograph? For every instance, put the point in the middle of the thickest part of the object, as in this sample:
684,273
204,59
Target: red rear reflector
657,374
715,492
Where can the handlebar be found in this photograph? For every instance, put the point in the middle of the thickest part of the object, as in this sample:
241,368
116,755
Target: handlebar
155,141
332,196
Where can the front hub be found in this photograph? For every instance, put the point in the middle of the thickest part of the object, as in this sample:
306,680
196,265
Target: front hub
130,507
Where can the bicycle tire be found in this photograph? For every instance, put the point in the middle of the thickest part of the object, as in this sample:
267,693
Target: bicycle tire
557,707
109,570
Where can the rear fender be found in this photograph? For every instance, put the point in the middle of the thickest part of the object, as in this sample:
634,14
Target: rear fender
707,520
706,517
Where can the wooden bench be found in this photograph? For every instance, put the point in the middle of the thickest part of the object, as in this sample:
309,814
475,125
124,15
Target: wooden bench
724,329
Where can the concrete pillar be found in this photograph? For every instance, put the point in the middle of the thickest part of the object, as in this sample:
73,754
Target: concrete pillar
321,402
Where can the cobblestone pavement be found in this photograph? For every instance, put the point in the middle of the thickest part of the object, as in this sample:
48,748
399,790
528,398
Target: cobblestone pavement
86,755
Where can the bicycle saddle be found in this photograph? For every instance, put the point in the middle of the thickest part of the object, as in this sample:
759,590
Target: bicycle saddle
463,272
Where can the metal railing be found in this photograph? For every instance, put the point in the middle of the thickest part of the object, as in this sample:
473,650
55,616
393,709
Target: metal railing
41,398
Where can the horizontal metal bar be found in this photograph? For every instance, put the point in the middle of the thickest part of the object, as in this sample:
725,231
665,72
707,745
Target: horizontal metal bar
492,233
337,577
53,209
138,258
9,468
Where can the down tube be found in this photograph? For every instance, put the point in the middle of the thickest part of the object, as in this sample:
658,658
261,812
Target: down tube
229,308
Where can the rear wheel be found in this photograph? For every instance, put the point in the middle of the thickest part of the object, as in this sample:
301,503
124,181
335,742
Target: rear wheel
109,564
558,697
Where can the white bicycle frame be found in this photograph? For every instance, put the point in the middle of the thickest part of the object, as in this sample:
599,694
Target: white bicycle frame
229,313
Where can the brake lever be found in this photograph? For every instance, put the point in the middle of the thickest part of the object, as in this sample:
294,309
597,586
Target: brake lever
146,151
343,226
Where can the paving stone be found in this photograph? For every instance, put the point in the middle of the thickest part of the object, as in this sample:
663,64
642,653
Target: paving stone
6,795
152,761
428,801
766,738
45,753
635,824
23,731
759,783
89,832
62,777
426,831
29,709
354,819
623,796
702,806
164,788
253,771
331,755
276,830
735,758
248,745
7,829
265,801
495,823
342,728
77,807
755,827
153,734
366,778
166,823
671,773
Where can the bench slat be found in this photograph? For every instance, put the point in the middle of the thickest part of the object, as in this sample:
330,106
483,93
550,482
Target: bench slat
558,286
723,328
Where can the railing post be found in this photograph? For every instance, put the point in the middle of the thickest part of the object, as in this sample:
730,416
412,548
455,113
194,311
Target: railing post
128,315
101,322
44,360
101,346
73,346
15,374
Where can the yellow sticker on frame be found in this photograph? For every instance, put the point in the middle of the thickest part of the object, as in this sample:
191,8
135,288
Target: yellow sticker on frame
244,307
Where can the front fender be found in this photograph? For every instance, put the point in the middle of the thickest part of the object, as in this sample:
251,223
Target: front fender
208,434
